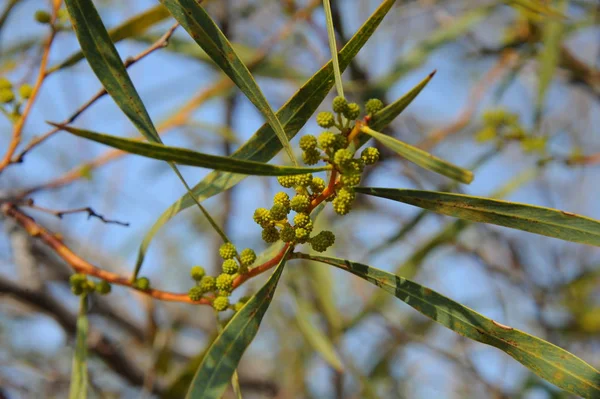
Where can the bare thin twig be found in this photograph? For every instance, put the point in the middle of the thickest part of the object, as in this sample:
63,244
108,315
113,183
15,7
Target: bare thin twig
163,41
59,214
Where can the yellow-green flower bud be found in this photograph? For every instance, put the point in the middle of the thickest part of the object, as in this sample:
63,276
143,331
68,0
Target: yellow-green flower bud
224,282
325,119
197,272
317,185
142,283
220,303
326,140
41,16
5,83
308,142
301,219
342,157
287,181
370,155
262,216
350,180
207,284
288,234
352,111
103,287
230,266
340,105
279,212
270,234
311,157
300,203
322,241
25,91
247,257
6,96
195,293
302,234
373,106
282,198
303,180
227,251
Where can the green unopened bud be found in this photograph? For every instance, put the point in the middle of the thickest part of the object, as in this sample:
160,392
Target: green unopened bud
279,212
350,180
342,157
227,251
373,106
286,181
103,287
195,293
197,272
352,111
221,303
282,198
301,219
230,266
5,83
142,283
270,234
300,203
340,105
41,16
207,284
322,241
25,91
262,216
302,234
325,119
303,180
370,155
308,142
224,282
317,185
288,234
6,96
311,157
247,257
326,140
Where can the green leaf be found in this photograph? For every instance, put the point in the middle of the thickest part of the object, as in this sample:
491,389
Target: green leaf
264,145
106,63
552,35
421,158
207,34
534,219
184,156
79,373
537,7
548,361
333,48
315,337
131,28
223,356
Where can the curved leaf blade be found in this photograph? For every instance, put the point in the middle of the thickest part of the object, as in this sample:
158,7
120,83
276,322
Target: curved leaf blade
223,356
79,373
421,158
533,219
548,361
132,27
263,145
183,156
207,34
106,63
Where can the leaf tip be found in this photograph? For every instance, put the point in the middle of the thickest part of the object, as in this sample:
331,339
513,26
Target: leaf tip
432,74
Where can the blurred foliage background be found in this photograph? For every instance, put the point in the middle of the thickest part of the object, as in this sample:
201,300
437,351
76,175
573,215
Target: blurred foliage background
515,98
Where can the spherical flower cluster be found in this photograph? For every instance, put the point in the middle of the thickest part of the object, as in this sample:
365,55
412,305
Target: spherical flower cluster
103,287
220,303
326,140
282,199
287,181
301,219
207,284
41,16
270,234
197,272
322,241
262,216
352,111
300,203
308,142
228,251
311,157
343,201
325,119
279,212
230,266
373,106
25,91
317,185
303,180
247,257
224,282
370,155
340,105
142,283
195,293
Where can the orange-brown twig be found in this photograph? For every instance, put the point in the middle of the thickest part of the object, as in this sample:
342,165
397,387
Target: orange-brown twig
18,128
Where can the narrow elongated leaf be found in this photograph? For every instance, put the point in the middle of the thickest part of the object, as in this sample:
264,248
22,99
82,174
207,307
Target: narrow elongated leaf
79,373
207,34
264,145
548,361
102,56
534,219
421,158
315,337
183,156
549,56
130,28
223,356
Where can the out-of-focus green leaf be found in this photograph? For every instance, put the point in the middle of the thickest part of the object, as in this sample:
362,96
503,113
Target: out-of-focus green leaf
548,58
323,284
207,34
421,158
183,156
223,356
534,219
128,29
537,6
441,36
264,145
548,361
79,372
315,337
